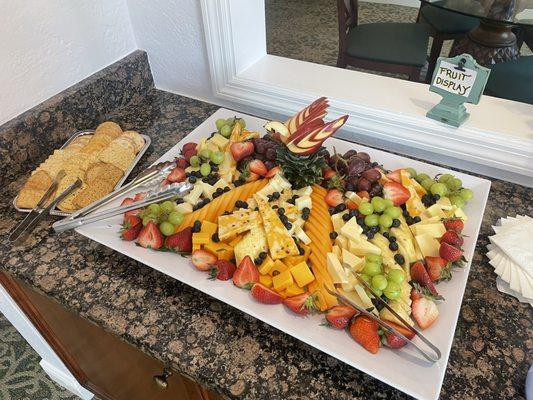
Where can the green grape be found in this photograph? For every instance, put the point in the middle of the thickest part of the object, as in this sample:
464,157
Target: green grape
372,220
396,275
454,184
230,121
392,291
439,188
241,122
167,206
148,218
373,258
205,154
379,204
220,123
445,178
371,269
175,218
366,208
162,217
457,201
421,177
385,221
217,157
393,212
388,202
379,282
194,161
226,131
205,169
377,292
412,172
466,194
427,183
154,209
166,228
366,278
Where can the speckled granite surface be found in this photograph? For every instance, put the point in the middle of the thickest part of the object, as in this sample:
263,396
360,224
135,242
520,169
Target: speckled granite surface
215,344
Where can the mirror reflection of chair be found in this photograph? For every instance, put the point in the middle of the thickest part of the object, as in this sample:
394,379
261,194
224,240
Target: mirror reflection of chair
387,47
512,80
445,25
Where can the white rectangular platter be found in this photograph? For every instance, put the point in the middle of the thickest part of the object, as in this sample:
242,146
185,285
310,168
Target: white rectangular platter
403,369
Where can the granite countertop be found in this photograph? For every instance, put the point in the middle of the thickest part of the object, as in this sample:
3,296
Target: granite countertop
209,341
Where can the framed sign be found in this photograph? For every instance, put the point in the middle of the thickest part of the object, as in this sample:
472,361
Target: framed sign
458,80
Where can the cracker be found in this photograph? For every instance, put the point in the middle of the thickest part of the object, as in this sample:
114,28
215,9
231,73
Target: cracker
125,142
92,192
97,144
67,204
41,180
138,140
108,128
103,171
117,155
79,143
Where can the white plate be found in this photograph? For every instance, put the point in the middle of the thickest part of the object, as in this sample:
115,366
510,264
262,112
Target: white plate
403,369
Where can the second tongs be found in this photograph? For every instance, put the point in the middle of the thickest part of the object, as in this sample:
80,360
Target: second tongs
428,356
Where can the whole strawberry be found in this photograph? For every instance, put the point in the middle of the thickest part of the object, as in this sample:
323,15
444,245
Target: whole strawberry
223,270
454,224
339,316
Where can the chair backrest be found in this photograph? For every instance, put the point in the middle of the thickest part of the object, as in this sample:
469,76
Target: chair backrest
347,16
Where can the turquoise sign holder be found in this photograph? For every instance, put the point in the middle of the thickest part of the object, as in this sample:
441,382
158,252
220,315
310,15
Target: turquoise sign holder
458,80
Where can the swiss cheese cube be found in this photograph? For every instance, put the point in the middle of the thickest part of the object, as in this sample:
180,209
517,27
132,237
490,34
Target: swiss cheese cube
428,245
355,263
351,229
335,269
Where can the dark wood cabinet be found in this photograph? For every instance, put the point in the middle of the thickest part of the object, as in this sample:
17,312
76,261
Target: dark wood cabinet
102,363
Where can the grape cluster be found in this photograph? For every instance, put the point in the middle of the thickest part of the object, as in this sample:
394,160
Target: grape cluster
443,185
225,126
360,174
378,213
265,150
388,284
164,215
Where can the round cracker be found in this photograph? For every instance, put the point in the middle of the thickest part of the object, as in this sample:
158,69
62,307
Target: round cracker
138,140
109,128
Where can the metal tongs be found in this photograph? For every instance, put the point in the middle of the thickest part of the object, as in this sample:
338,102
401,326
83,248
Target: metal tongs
154,196
150,177
430,357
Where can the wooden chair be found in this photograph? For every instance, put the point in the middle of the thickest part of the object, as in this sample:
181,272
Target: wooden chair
387,47
445,25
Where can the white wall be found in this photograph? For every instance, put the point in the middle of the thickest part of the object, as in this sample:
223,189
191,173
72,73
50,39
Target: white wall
47,46
171,32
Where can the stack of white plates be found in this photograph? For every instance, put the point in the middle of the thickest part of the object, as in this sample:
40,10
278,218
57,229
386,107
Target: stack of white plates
511,255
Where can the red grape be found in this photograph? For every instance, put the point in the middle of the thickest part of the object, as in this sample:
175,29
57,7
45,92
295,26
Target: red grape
355,166
363,185
371,174
363,156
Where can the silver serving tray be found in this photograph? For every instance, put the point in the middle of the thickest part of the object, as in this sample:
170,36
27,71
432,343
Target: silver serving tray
55,211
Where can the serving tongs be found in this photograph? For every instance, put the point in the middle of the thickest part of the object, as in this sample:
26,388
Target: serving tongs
154,196
428,356
40,211
149,178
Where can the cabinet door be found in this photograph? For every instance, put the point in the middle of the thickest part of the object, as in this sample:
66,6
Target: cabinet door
102,363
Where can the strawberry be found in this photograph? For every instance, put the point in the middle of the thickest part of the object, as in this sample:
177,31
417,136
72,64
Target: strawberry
180,242
363,194
420,275
272,172
258,167
181,162
189,146
150,236
246,274
126,202
252,177
425,312
189,153
265,295
452,238
328,173
139,196
454,224
416,293
395,176
365,332
131,227
339,316
449,252
333,197
203,260
239,150
394,341
301,304
396,192
223,270
437,268
176,175
351,205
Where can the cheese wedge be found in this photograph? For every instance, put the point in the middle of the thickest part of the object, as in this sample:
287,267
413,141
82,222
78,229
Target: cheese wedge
280,242
252,243
240,221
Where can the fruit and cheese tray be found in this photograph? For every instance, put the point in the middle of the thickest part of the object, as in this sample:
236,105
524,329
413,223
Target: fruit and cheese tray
281,214
102,158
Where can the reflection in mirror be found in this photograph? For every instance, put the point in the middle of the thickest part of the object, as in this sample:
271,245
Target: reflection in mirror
403,40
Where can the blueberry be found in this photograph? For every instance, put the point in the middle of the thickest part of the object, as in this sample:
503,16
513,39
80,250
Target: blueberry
346,217
333,235
215,237
399,259
393,246
396,223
